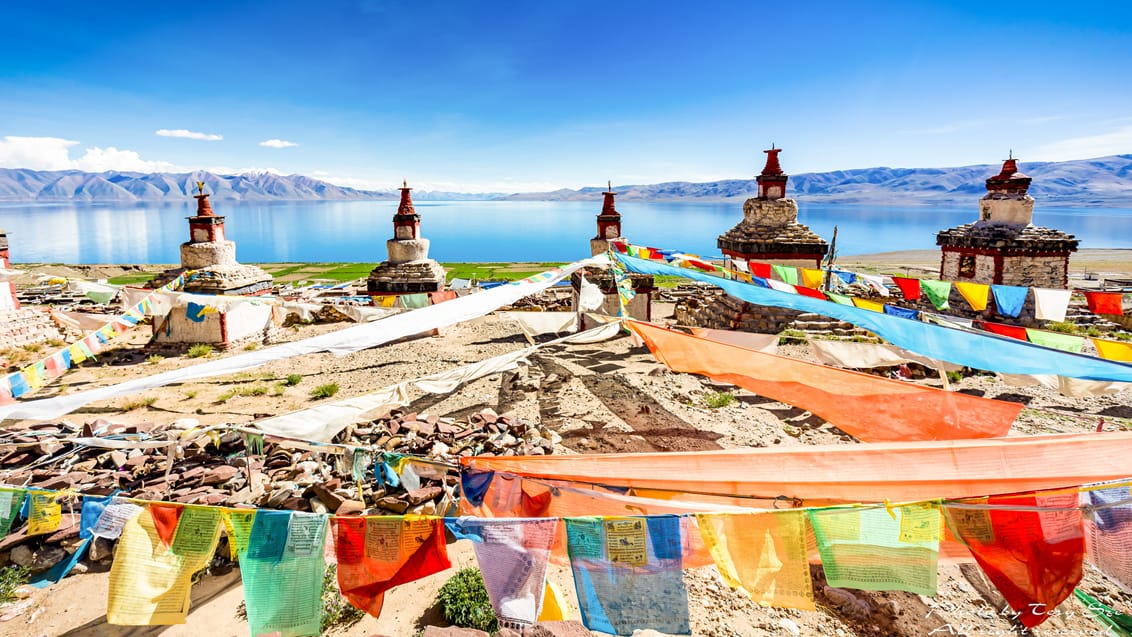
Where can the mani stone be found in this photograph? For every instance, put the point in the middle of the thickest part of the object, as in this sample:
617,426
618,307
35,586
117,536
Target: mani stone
408,270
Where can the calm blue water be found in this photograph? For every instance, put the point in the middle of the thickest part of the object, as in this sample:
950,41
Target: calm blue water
479,231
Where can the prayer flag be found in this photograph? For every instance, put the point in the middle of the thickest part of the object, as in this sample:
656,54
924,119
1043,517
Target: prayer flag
18,384
761,270
937,292
628,573
151,585
1105,302
1009,299
974,293
840,298
44,512
11,501
910,288
1032,557
93,508
875,283
848,277
238,525
1113,350
762,554
113,519
872,306
880,549
786,273
377,553
512,555
1064,342
1050,305
810,292
1010,331
1108,531
812,278
902,312
282,571
165,516
775,284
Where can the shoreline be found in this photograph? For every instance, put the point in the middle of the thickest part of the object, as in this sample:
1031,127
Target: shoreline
1087,264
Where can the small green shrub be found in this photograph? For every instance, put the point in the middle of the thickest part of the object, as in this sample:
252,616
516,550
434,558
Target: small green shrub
54,342
191,394
131,405
200,350
324,391
294,379
254,390
11,578
1062,327
32,347
465,603
717,399
251,347
154,359
955,376
226,396
280,389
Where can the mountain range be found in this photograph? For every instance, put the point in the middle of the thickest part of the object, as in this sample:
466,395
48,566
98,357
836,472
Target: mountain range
1104,181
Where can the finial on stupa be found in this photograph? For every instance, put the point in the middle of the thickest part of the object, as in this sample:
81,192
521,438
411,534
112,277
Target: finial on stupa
204,209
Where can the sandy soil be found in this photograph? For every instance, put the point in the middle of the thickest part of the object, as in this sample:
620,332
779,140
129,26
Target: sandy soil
600,398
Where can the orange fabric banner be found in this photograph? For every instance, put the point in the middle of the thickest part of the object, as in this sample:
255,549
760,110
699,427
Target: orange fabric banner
870,408
377,553
898,471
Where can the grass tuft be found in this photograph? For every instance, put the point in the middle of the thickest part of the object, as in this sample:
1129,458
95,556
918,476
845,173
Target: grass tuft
293,379
154,359
324,391
718,399
465,603
200,350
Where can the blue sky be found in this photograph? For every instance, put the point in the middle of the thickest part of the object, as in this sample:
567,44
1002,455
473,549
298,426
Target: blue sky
536,95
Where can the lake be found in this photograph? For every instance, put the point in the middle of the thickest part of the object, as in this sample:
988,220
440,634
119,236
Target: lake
479,230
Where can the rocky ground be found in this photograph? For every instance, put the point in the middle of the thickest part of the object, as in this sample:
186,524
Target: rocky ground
608,397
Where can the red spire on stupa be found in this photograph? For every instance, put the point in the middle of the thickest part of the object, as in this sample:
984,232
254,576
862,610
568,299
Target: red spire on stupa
204,209
1009,180
406,205
607,204
772,167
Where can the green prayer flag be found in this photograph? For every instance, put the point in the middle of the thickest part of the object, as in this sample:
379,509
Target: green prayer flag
282,573
786,273
879,549
1066,342
1116,622
937,292
840,298
11,501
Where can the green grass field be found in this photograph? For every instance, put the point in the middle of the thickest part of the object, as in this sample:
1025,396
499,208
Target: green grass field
341,272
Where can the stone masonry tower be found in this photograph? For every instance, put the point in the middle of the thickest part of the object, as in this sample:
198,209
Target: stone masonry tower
408,270
1004,246
608,224
214,257
770,230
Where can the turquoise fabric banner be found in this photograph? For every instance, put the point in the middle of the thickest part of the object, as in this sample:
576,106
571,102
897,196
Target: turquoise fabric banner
980,351
282,570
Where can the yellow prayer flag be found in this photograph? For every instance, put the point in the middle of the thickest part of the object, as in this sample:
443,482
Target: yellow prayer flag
388,301
920,522
974,293
811,278
1113,350
77,355
149,584
872,306
761,554
238,527
44,512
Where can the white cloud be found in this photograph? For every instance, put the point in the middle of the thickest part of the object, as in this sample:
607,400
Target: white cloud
188,134
53,153
277,143
1117,142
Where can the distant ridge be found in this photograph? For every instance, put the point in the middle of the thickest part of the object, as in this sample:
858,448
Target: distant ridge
1104,181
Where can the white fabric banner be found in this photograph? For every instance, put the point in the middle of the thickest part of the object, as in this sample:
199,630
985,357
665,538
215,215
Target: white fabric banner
81,321
344,341
323,422
536,323
589,296
868,355
874,282
1050,305
1071,387
766,343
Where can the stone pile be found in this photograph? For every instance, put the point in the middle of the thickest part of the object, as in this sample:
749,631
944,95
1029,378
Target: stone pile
219,468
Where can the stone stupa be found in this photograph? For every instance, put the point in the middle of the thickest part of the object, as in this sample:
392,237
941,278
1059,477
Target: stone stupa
408,269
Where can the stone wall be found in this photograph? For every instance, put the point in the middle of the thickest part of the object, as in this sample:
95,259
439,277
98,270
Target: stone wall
244,323
718,310
773,212
26,326
197,256
1039,272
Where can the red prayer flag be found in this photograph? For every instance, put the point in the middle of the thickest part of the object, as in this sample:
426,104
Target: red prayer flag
377,553
761,270
165,517
1105,302
1013,331
805,291
910,288
1033,557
